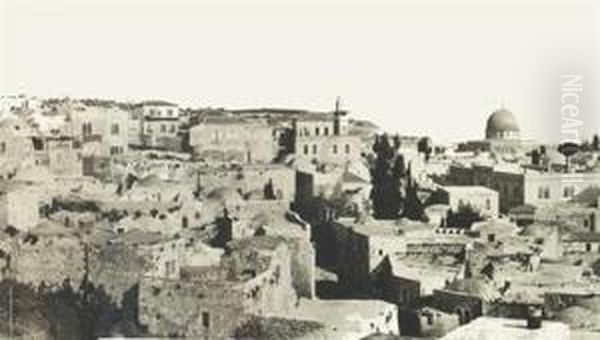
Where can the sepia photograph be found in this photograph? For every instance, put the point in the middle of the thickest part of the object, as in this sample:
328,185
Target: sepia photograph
300,169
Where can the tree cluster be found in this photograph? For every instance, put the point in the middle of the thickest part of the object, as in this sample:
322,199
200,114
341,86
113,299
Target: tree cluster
394,191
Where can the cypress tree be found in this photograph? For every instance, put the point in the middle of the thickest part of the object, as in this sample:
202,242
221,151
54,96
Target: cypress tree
386,175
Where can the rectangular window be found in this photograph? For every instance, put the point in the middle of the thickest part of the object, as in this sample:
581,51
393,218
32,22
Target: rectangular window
335,150
568,191
347,148
306,149
205,319
173,129
326,132
170,112
316,131
114,129
2,147
315,149
163,128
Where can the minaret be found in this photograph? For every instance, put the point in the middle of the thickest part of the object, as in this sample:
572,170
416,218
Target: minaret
338,117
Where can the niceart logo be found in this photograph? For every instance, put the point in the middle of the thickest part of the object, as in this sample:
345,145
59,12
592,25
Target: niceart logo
571,89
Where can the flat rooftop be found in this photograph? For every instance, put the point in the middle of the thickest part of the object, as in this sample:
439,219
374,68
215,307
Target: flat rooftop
341,314
468,189
487,328
373,227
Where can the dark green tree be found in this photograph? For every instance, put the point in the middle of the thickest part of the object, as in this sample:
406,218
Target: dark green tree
387,172
424,147
413,207
596,143
464,217
568,149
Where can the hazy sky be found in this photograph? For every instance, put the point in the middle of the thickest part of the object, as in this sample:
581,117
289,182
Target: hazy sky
412,67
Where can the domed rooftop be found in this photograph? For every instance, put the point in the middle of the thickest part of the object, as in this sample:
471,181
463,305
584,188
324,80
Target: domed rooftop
476,287
225,195
501,124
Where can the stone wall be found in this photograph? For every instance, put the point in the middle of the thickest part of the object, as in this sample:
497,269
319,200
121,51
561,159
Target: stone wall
50,259
240,142
63,158
556,302
252,178
195,309
352,260
469,307
16,149
303,267
269,292
435,248
117,270
19,208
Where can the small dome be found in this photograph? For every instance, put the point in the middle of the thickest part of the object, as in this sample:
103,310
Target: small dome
501,124
225,195
475,287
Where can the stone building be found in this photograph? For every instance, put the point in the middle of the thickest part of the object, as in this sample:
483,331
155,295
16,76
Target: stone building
164,252
48,254
483,199
158,109
579,218
16,145
194,308
232,139
325,138
356,250
102,131
469,298
156,124
404,280
64,159
509,184
253,278
297,235
581,242
251,179
162,133
19,205
516,188
546,188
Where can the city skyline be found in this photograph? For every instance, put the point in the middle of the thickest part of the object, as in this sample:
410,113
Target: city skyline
410,68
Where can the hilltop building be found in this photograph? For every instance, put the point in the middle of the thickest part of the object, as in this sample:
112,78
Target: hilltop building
233,139
325,138
502,136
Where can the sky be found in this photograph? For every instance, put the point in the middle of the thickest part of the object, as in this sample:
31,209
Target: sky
414,67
